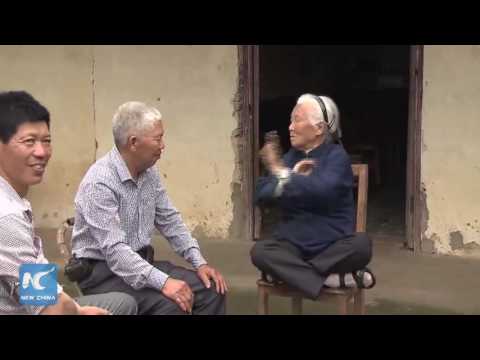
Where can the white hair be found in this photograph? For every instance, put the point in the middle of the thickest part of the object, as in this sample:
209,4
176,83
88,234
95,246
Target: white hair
316,116
132,118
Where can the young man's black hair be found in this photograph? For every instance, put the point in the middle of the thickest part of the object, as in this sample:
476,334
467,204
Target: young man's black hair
16,108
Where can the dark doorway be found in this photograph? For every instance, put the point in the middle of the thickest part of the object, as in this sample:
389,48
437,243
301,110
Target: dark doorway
370,85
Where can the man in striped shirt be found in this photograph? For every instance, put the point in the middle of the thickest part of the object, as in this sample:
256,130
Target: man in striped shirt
24,153
119,203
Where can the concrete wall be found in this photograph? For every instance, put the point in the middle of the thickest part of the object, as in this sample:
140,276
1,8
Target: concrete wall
193,87
451,149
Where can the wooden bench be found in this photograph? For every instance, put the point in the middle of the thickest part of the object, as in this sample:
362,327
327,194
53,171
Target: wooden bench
65,246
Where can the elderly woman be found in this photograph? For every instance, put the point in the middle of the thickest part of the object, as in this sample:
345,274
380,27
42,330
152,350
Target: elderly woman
315,244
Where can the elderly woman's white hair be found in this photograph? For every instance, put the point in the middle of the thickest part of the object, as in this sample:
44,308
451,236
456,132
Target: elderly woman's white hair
330,115
131,118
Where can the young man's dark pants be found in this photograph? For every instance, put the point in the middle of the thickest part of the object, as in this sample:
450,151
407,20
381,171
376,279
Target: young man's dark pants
284,261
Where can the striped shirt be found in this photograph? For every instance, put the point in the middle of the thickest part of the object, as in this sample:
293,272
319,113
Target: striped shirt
115,216
18,245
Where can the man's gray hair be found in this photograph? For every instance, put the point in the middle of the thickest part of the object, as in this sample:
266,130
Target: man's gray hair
131,118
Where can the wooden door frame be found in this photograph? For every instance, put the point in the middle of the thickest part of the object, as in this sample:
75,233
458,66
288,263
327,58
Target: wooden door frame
249,64
414,195
248,97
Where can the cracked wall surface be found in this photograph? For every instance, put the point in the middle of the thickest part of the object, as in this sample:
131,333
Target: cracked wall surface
193,86
451,150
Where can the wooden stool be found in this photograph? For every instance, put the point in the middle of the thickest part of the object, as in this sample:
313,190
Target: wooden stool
343,297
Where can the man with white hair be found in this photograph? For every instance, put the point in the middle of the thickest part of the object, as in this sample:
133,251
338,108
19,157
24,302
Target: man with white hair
119,203
315,244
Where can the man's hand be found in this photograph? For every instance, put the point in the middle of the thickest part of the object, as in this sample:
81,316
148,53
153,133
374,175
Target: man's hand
180,292
206,272
92,310
304,167
67,306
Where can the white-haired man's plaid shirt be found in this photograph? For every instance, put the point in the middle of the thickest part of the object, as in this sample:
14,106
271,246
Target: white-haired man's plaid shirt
115,216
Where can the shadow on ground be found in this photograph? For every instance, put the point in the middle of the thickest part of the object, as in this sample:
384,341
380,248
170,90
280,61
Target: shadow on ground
242,302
